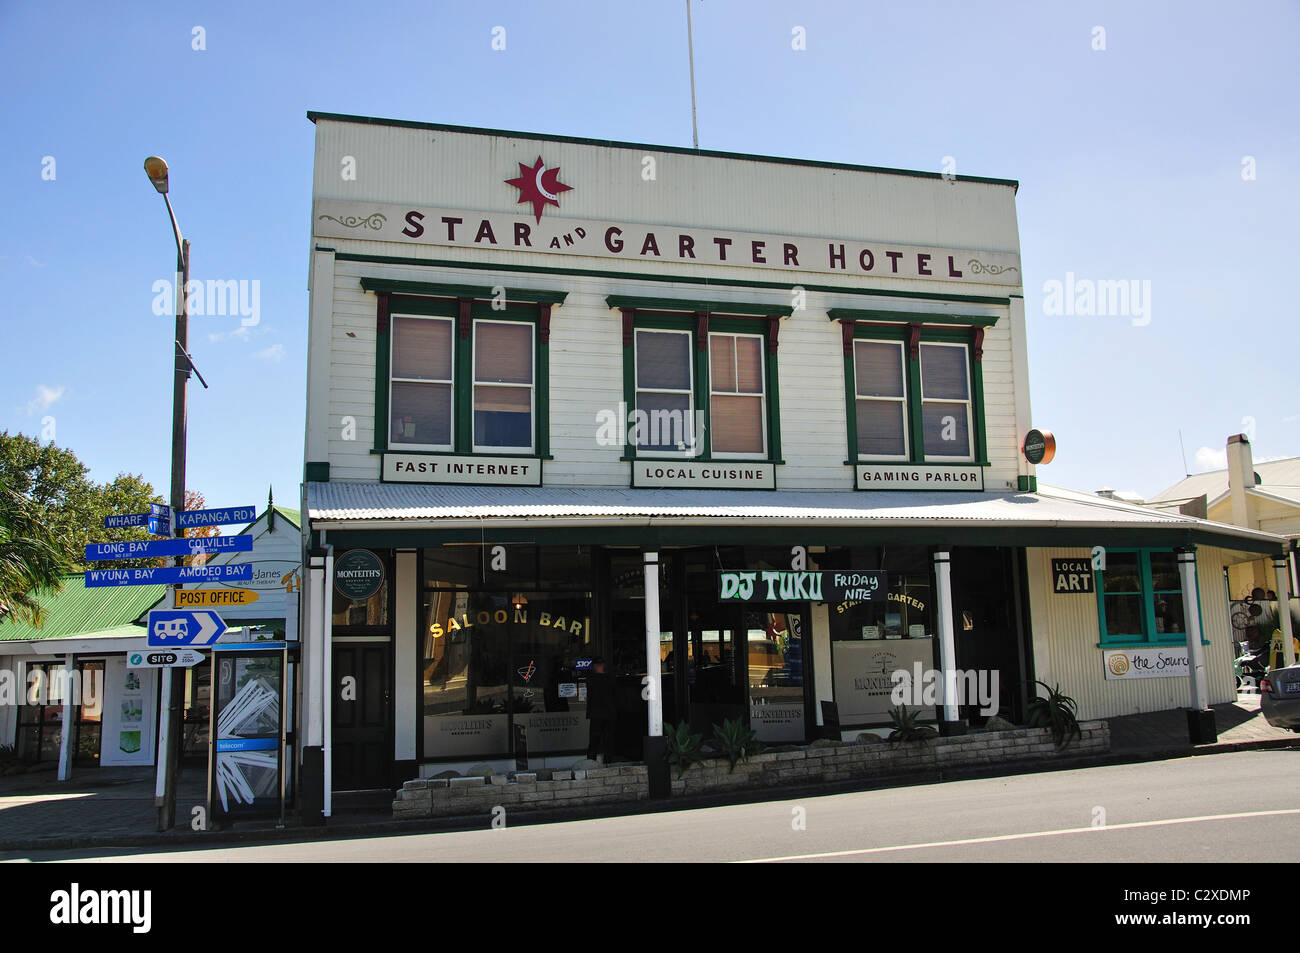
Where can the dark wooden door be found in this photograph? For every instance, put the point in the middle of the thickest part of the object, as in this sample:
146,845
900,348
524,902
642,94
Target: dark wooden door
363,716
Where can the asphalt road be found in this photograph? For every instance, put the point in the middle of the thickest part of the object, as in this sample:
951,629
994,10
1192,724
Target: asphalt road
1212,808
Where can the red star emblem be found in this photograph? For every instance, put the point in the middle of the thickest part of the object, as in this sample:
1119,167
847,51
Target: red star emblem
539,185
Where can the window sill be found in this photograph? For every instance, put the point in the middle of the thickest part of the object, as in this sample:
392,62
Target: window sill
377,451
916,463
630,458
1144,645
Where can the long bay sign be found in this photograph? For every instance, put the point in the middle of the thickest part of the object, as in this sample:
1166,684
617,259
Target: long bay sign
674,244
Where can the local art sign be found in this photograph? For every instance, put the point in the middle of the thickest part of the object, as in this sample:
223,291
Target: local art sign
358,574
661,244
774,585
1164,662
1072,575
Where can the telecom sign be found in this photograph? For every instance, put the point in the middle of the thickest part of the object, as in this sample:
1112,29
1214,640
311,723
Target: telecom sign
180,658
135,549
218,517
168,574
176,628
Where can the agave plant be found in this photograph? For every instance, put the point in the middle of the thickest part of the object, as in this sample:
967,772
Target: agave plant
735,742
684,747
906,727
1057,711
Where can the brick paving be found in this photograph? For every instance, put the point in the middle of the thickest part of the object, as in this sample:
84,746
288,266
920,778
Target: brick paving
1239,723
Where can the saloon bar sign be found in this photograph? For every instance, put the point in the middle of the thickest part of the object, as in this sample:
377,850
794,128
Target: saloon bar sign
906,476
768,585
661,243
358,574
446,468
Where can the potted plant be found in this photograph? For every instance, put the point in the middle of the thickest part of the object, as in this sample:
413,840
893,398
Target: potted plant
1058,712
735,742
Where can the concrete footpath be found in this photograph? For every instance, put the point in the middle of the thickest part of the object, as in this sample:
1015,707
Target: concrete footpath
114,807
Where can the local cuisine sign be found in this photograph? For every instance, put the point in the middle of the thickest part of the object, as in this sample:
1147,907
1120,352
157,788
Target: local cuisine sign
767,585
660,243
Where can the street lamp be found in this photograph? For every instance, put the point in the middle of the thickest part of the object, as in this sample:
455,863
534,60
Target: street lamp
172,686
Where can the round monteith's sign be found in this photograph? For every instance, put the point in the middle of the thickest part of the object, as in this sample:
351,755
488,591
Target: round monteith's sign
358,574
1040,446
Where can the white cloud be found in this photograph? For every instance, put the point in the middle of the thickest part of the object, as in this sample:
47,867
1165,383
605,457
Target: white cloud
273,353
45,397
1207,458
240,333
34,263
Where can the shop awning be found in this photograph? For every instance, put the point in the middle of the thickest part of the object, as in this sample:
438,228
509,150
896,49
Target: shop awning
410,514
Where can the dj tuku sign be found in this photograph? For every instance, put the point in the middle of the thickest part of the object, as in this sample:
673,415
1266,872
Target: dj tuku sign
773,585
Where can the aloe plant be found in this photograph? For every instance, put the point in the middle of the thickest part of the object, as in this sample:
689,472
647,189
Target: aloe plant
735,742
684,747
1057,711
906,727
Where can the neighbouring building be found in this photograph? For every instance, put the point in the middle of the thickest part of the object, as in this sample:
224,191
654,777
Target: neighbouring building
750,431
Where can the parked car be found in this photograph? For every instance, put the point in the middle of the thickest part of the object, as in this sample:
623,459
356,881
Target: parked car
1279,697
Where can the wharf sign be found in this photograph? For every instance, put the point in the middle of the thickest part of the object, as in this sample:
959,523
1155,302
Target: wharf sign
907,476
775,585
662,244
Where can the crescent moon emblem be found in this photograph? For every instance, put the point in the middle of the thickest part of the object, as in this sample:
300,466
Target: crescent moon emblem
537,180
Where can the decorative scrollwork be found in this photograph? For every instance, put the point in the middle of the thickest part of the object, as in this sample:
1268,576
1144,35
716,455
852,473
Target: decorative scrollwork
375,220
980,268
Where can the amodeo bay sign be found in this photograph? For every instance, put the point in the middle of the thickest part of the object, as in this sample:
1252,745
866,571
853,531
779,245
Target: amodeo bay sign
774,585
628,241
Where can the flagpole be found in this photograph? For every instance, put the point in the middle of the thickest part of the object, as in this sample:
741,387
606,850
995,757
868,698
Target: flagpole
690,45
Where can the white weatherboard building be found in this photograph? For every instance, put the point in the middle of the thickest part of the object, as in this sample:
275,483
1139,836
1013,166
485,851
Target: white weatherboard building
557,387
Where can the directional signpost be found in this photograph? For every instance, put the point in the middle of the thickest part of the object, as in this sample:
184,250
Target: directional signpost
178,658
187,519
160,520
180,546
184,628
168,574
211,598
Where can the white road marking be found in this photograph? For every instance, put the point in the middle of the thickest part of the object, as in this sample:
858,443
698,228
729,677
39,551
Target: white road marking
1024,836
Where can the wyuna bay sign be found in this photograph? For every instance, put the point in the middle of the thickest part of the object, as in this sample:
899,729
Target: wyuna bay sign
674,244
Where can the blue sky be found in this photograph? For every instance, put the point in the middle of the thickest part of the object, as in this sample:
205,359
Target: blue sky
1130,160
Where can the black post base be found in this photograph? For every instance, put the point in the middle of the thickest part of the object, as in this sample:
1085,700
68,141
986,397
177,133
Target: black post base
656,762
312,778
951,729
1201,729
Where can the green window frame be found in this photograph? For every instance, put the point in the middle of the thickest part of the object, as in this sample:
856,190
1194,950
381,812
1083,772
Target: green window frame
702,325
1142,587
912,338
468,308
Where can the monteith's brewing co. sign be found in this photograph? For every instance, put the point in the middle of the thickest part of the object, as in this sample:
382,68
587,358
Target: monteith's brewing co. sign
774,585
358,574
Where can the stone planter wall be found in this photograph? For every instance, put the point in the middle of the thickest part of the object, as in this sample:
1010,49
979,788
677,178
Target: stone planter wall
521,791
822,762
849,761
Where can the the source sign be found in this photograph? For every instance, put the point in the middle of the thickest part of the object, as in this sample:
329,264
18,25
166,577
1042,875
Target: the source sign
358,574
832,585
1169,662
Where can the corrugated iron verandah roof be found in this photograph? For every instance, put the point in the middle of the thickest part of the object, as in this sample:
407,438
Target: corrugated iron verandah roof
1048,517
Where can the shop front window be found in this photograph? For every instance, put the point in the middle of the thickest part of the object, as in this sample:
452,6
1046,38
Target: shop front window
493,658
40,717
1140,597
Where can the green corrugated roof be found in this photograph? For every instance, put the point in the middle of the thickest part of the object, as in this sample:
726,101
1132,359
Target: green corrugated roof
78,611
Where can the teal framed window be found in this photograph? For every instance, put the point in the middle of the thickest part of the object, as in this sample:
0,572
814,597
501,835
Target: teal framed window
461,375
699,384
1140,598
914,394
